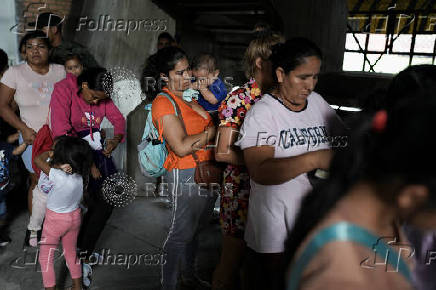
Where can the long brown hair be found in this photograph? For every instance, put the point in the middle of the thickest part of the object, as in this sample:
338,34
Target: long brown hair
259,47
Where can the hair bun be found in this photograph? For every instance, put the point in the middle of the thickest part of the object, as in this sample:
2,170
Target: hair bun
276,50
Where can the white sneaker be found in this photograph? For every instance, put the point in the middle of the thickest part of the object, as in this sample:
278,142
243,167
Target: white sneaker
33,239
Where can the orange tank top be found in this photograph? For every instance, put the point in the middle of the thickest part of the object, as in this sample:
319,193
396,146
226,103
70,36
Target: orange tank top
194,124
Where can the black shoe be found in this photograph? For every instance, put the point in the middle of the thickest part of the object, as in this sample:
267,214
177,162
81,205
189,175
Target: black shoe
215,218
4,238
195,282
26,239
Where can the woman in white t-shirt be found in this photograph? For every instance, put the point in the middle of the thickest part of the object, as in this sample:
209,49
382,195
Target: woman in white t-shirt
30,85
284,136
62,217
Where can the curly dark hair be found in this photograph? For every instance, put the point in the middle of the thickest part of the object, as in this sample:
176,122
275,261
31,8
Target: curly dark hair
76,152
98,78
35,34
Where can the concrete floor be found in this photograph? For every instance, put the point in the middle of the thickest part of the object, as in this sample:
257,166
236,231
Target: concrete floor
139,228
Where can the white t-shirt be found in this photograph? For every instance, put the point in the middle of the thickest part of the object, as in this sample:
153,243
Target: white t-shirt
33,91
44,183
66,193
273,208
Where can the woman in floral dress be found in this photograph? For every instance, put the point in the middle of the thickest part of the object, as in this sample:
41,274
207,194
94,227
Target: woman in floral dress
236,181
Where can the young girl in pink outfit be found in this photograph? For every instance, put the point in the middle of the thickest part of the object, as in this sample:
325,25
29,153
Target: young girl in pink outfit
62,217
78,106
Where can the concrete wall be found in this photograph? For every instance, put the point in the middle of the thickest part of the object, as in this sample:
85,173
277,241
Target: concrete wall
116,48
9,39
135,125
26,11
120,47
324,22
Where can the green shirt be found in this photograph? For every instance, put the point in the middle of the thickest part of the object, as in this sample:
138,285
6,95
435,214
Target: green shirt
57,54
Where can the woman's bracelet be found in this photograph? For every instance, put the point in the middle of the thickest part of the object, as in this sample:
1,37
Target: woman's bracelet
207,134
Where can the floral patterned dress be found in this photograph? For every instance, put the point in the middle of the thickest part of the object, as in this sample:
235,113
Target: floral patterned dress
236,189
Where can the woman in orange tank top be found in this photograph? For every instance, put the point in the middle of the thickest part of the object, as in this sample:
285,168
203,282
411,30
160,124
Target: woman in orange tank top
192,204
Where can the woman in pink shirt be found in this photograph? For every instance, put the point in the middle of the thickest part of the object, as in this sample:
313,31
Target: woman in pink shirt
78,106
29,85
78,109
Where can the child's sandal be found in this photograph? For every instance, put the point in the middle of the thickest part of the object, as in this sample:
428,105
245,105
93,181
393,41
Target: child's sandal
33,239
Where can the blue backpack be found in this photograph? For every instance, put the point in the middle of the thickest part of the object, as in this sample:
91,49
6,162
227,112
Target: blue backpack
152,151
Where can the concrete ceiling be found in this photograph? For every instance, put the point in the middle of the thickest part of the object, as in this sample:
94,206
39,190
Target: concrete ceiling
223,18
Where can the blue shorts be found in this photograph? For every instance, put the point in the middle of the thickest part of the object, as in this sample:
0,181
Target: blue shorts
27,155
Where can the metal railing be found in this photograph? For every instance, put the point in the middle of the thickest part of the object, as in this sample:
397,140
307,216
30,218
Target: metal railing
392,23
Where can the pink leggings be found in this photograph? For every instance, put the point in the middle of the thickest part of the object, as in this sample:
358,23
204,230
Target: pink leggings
59,226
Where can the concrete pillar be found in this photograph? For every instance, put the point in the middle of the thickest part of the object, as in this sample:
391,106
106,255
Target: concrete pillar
323,21
135,124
